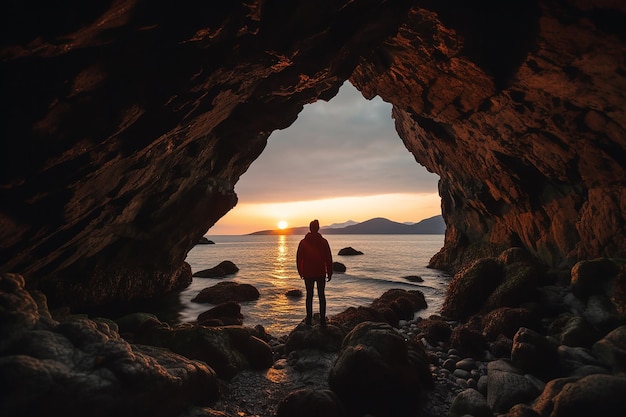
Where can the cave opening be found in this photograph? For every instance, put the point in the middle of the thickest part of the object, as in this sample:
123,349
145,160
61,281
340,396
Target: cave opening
340,161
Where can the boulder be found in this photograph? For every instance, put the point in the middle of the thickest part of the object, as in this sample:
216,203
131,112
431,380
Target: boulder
339,267
534,353
594,395
574,330
601,312
349,251
221,270
507,321
434,330
227,313
308,402
611,350
519,284
79,366
295,293
468,341
591,277
378,373
413,278
227,291
507,386
470,402
326,338
470,287
352,316
404,303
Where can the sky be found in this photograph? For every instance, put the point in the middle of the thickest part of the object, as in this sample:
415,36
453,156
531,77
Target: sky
340,160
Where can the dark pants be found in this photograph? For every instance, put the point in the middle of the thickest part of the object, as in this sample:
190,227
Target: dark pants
321,284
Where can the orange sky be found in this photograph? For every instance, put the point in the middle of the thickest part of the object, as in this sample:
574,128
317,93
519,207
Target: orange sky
341,160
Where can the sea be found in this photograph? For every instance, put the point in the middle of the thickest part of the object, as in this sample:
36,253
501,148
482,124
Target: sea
268,262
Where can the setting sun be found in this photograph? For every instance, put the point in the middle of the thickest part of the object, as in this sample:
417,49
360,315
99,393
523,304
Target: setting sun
282,225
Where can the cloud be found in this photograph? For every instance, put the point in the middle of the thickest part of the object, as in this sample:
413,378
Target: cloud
345,147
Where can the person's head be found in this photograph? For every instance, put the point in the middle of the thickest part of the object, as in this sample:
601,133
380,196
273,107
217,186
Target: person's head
314,226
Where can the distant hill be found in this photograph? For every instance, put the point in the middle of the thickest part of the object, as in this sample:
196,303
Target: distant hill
377,226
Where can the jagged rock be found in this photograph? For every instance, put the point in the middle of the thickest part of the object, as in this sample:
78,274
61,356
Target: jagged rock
205,241
227,291
470,287
221,270
80,366
310,403
378,373
349,251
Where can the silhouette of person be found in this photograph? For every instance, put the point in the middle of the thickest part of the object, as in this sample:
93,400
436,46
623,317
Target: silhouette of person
315,265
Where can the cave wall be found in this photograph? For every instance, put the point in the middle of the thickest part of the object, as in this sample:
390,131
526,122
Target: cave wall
130,121
519,108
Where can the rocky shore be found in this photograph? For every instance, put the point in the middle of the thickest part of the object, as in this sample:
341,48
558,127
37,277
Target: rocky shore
513,340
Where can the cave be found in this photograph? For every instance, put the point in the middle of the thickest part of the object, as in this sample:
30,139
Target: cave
127,125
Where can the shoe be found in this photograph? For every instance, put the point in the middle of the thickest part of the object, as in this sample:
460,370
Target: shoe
308,321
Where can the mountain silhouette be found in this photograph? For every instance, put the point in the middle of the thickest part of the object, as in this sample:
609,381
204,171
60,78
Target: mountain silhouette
376,226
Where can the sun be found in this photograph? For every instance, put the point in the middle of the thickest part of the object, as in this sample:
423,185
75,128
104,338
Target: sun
282,225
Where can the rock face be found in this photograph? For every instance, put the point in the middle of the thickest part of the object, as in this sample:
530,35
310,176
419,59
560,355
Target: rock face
129,125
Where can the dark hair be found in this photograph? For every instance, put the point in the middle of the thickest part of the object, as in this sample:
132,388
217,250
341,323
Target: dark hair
314,226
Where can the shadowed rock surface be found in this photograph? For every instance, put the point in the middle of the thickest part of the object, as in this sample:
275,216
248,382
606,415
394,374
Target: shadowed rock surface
129,124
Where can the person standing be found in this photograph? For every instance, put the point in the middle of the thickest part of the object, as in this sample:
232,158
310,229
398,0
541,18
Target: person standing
315,265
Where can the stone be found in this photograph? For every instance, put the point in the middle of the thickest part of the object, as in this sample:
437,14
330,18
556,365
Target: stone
205,241
307,402
295,293
470,288
611,350
220,270
227,291
506,386
349,251
435,330
534,353
328,338
468,341
378,373
470,402
339,267
578,332
601,312
506,321
519,285
413,278
592,277
227,313
601,395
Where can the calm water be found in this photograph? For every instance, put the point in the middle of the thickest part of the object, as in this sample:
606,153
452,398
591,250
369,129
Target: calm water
268,263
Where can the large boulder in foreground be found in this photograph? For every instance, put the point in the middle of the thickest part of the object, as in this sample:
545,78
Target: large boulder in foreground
378,373
80,367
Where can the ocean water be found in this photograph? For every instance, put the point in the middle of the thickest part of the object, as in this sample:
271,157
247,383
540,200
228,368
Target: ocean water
268,263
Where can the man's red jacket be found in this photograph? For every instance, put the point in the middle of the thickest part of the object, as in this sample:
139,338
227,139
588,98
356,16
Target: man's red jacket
313,258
